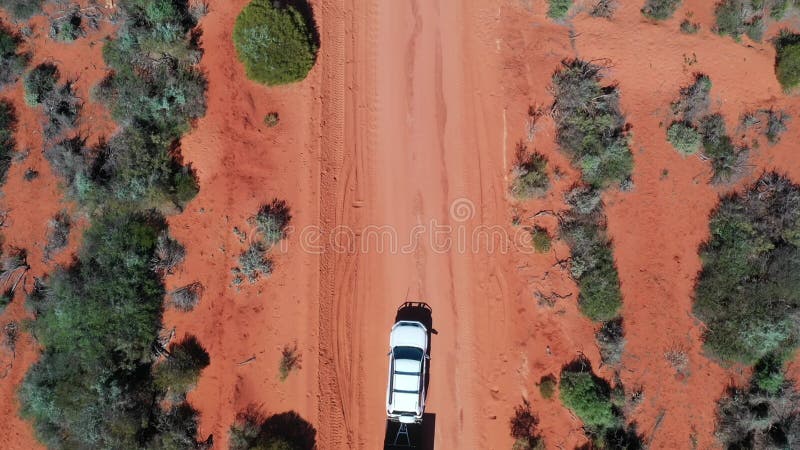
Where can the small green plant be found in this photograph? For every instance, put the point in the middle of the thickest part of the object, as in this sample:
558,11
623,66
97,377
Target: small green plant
660,9
689,27
541,239
290,361
787,60
547,386
684,138
271,119
558,9
530,176
589,398
274,42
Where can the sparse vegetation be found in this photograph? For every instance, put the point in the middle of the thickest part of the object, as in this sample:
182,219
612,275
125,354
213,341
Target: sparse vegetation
169,253
678,357
748,294
92,385
68,27
660,9
558,9
592,264
22,9
12,60
727,159
769,122
758,418
285,431
253,263
275,42
694,99
604,8
787,60
62,108
689,27
290,361
523,428
530,176
590,127
684,137
8,125
57,234
547,386
10,336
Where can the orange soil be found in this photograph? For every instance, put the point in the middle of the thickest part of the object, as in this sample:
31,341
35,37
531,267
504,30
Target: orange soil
412,107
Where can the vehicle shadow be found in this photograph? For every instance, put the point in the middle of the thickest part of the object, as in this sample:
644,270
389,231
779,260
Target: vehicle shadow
419,435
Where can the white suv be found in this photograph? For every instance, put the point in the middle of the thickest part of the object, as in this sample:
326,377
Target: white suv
408,368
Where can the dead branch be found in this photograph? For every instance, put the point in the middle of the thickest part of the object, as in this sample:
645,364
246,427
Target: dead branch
247,361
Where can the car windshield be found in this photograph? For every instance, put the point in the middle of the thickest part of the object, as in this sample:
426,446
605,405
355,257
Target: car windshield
408,353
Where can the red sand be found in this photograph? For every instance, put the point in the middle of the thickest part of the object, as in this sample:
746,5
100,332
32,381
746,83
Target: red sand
414,107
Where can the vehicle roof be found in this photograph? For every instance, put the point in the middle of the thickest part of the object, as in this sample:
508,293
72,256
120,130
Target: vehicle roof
409,334
406,385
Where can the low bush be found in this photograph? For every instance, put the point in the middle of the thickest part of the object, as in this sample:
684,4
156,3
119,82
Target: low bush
737,17
272,220
523,428
604,8
62,108
547,386
589,397
284,431
558,9
592,264
12,60
97,323
768,375
69,27
769,122
253,264
787,60
272,119
684,138
590,127
541,239
57,234
185,298
660,9
169,253
747,293
727,159
275,42
22,9
40,82
179,372
8,126
611,341
530,177
694,99
689,27
290,360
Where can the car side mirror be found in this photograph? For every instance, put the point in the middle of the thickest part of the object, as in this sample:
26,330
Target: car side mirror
428,357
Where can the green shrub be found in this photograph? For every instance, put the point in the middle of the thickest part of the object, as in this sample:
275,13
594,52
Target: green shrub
737,17
253,264
547,386
590,127
558,9
530,177
39,82
22,9
684,138
660,9
181,369
787,60
589,398
274,42
747,290
541,239
284,431
768,374
68,27
12,60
